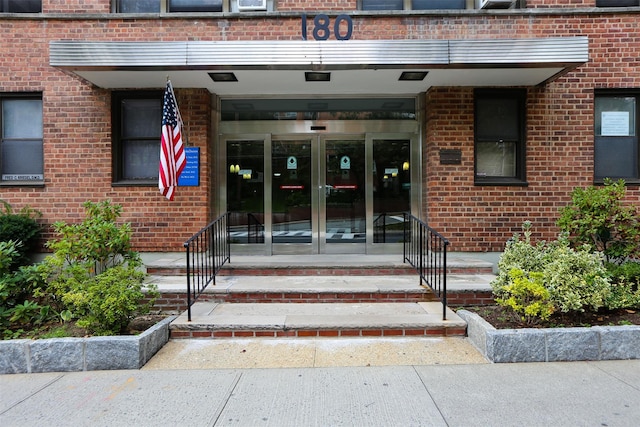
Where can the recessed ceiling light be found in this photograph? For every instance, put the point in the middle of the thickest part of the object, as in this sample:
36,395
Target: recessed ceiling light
317,77
223,77
413,75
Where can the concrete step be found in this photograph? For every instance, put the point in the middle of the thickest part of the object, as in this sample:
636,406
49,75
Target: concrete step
470,289
174,264
274,320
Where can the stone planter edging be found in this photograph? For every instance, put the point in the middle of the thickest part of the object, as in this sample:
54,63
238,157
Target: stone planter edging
83,354
552,344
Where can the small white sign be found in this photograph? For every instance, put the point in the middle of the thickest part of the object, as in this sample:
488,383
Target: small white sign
12,177
615,123
292,163
390,171
345,163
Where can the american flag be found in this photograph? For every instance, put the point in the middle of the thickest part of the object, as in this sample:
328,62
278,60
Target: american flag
172,156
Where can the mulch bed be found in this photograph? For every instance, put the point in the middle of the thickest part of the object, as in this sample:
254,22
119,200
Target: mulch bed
502,318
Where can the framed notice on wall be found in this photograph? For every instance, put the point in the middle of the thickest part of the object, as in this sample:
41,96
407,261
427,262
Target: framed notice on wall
190,176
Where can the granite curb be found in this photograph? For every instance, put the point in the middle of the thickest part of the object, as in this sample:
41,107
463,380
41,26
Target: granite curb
83,354
552,344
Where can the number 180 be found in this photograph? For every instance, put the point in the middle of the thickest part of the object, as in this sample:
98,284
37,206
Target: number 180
322,27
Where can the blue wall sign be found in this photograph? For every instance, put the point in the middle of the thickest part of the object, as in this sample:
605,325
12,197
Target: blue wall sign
190,176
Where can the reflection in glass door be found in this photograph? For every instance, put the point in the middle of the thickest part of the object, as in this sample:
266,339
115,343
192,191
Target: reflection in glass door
343,203
245,191
291,190
391,188
308,194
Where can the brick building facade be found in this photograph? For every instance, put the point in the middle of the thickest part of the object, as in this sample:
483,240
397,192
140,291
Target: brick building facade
575,82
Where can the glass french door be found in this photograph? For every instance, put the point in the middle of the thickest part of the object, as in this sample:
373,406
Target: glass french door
318,195
310,194
342,210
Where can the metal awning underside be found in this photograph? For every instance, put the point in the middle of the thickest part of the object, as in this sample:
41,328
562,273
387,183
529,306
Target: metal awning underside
356,66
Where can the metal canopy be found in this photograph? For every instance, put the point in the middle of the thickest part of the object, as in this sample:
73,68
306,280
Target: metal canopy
356,66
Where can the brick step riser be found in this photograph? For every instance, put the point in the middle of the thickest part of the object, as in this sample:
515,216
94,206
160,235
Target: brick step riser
177,302
311,333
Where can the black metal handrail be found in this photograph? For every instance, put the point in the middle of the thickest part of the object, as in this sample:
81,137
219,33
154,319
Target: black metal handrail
426,250
207,251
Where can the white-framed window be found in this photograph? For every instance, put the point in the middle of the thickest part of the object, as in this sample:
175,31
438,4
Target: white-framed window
21,155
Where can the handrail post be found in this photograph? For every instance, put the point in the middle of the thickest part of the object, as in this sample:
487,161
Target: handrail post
404,236
444,281
186,245
421,254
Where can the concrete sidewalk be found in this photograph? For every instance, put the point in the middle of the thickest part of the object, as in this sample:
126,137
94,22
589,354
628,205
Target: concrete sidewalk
536,394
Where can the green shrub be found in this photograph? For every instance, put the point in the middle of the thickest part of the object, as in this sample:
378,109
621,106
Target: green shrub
97,240
20,227
597,218
18,302
522,255
106,302
576,279
94,273
625,288
628,272
527,296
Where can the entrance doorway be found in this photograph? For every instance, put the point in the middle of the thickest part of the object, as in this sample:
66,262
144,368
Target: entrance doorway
314,194
318,194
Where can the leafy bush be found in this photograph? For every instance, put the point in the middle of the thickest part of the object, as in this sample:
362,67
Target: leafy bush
18,304
94,273
597,218
575,279
625,291
527,296
20,227
628,272
520,254
106,303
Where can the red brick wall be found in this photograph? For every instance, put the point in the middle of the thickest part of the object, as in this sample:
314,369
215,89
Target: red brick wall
77,133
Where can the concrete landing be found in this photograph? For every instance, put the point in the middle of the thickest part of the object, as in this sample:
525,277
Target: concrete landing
223,320
255,353
405,283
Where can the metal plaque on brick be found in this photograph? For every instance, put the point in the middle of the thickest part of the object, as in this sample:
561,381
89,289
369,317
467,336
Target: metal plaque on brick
450,157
